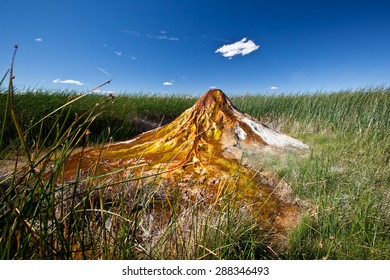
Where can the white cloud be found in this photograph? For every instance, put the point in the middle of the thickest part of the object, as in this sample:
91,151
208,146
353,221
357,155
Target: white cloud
104,71
38,40
119,53
242,47
161,36
133,33
72,82
273,88
104,91
213,87
164,37
168,83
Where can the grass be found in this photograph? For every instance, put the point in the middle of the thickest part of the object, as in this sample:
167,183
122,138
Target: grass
345,179
127,116
343,184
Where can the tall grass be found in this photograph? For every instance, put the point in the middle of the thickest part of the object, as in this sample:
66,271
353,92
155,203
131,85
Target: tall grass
344,182
127,116
346,178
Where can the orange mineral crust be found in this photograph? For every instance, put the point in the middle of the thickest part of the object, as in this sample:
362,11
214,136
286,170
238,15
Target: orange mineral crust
200,155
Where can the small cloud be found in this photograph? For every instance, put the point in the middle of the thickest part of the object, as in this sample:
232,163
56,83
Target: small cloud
116,52
71,82
221,40
104,91
242,47
38,40
104,71
213,87
168,83
161,36
273,88
164,37
133,33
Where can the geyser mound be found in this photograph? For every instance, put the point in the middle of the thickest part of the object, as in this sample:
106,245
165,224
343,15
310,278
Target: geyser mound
200,156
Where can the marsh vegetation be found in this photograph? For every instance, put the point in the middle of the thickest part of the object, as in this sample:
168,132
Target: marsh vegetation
342,185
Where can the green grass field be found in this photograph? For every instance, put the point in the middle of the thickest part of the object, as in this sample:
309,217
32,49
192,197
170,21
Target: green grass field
343,184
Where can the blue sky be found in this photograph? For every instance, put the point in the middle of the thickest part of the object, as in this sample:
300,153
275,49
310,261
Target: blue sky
177,46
